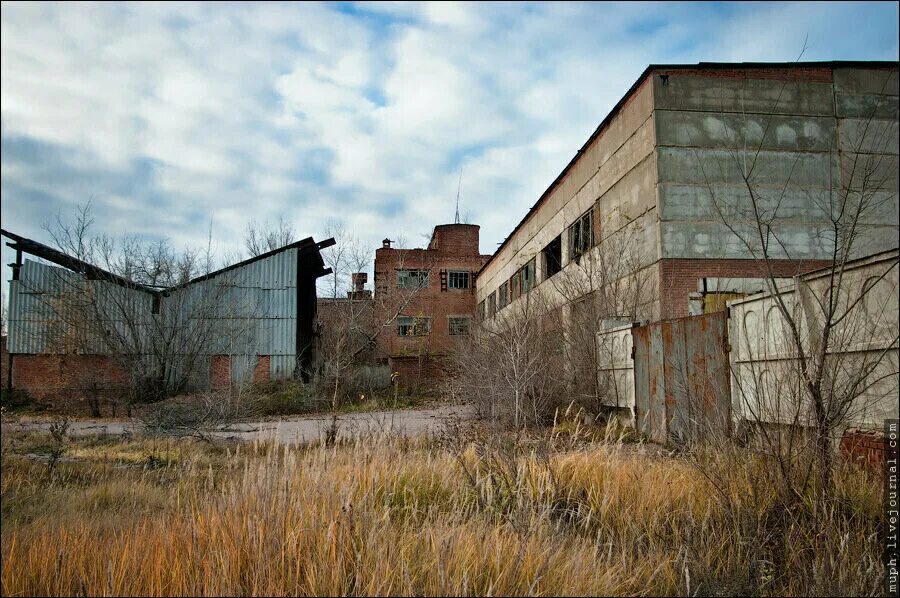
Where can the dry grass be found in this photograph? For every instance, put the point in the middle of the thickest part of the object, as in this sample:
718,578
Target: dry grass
393,516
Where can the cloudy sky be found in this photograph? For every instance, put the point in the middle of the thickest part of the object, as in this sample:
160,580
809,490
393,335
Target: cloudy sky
174,116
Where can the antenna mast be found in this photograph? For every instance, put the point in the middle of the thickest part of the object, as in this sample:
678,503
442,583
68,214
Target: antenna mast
458,185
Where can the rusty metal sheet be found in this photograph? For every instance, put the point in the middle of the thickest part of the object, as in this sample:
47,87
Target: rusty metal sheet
641,341
656,370
681,378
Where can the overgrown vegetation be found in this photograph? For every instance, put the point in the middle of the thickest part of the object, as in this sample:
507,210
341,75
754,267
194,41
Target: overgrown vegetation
575,512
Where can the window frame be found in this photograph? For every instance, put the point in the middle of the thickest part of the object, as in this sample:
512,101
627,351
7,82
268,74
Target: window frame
552,266
584,228
416,325
468,278
424,281
463,318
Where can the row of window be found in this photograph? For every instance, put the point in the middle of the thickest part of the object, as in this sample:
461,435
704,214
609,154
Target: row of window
418,279
581,239
421,325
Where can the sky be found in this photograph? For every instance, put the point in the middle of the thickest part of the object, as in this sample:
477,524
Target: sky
186,121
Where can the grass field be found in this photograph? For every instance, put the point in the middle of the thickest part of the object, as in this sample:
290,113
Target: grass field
390,516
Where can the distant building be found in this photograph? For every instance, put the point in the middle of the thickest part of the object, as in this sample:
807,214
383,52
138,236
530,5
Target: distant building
425,301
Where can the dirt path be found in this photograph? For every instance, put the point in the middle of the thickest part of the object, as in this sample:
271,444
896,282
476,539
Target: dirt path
289,430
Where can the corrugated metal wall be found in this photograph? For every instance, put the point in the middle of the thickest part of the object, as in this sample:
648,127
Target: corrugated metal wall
244,312
47,299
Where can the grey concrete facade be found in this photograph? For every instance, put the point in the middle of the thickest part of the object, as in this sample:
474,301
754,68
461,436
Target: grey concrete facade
675,164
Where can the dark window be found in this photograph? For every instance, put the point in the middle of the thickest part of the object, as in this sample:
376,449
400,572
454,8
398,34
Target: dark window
458,279
515,286
458,325
480,311
491,305
503,293
528,276
412,279
581,235
552,257
413,326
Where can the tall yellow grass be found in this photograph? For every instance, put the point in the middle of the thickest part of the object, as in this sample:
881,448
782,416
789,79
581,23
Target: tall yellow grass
394,517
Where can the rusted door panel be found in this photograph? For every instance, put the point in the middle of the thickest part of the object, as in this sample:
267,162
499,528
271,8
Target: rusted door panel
656,371
641,345
682,378
677,412
717,402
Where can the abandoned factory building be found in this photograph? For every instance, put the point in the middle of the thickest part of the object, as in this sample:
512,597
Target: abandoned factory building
652,218
75,328
658,200
426,300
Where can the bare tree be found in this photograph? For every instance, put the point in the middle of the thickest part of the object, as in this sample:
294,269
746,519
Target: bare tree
823,327
512,369
261,238
130,304
609,282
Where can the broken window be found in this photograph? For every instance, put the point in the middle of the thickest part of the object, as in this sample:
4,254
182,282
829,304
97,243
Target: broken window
413,326
458,325
480,311
458,279
515,286
412,279
552,257
581,235
504,295
491,305
527,276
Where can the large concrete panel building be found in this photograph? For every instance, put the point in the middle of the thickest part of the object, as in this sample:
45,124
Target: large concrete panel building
670,179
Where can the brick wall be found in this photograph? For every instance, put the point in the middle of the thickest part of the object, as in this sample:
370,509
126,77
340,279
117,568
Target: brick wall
679,277
261,372
65,380
418,374
452,247
4,361
220,371
865,447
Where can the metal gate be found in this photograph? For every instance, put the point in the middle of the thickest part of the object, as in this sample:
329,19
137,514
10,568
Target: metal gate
681,378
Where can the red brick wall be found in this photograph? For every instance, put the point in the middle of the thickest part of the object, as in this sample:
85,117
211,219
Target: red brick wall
865,447
4,361
418,374
455,247
261,371
455,239
679,277
60,378
220,372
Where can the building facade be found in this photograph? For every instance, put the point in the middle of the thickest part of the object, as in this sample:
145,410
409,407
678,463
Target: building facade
658,195
425,301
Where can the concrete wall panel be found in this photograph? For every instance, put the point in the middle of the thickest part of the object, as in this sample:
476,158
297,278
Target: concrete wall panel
866,81
730,130
743,95
866,106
